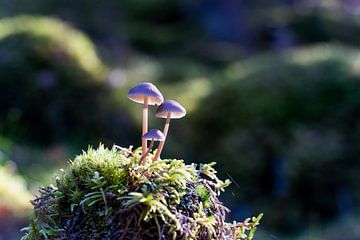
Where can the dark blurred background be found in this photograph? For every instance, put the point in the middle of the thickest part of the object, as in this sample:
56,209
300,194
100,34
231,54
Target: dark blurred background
272,89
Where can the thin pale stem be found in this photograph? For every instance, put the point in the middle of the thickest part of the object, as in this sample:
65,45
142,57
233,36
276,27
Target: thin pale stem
143,158
162,143
144,126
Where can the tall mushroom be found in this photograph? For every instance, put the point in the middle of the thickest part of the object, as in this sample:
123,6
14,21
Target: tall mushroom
153,135
147,94
168,109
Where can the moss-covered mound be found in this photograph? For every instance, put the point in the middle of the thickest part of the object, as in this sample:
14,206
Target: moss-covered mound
55,40
52,82
280,124
107,194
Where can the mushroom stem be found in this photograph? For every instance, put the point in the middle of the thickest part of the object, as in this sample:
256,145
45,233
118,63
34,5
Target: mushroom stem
162,143
144,126
143,158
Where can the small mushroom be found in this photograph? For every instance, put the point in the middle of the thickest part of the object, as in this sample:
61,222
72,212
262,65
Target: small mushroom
153,135
147,94
168,109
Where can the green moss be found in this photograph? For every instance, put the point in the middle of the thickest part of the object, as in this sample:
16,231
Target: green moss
54,84
107,194
282,122
60,39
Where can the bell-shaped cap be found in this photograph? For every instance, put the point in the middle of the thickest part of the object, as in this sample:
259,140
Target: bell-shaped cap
170,107
155,134
146,89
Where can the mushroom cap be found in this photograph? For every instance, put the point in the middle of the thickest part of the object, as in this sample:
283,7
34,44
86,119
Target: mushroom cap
155,134
146,89
170,106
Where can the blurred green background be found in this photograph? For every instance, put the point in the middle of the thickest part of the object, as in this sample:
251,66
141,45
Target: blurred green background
272,89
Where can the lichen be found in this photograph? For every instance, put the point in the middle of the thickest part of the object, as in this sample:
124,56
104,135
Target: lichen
107,194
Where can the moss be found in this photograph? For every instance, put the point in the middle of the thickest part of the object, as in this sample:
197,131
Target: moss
107,194
284,121
54,84
60,39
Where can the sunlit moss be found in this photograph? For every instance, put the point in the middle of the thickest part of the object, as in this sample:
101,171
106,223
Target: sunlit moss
107,194
285,116
61,37
54,83
305,56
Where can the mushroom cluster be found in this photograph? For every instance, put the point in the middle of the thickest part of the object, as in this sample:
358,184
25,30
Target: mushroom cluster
147,94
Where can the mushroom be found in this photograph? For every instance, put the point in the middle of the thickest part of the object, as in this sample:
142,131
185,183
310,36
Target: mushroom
168,109
147,94
153,135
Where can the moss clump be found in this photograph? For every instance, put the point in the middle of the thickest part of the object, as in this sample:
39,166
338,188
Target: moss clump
285,114
50,74
107,194
55,41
